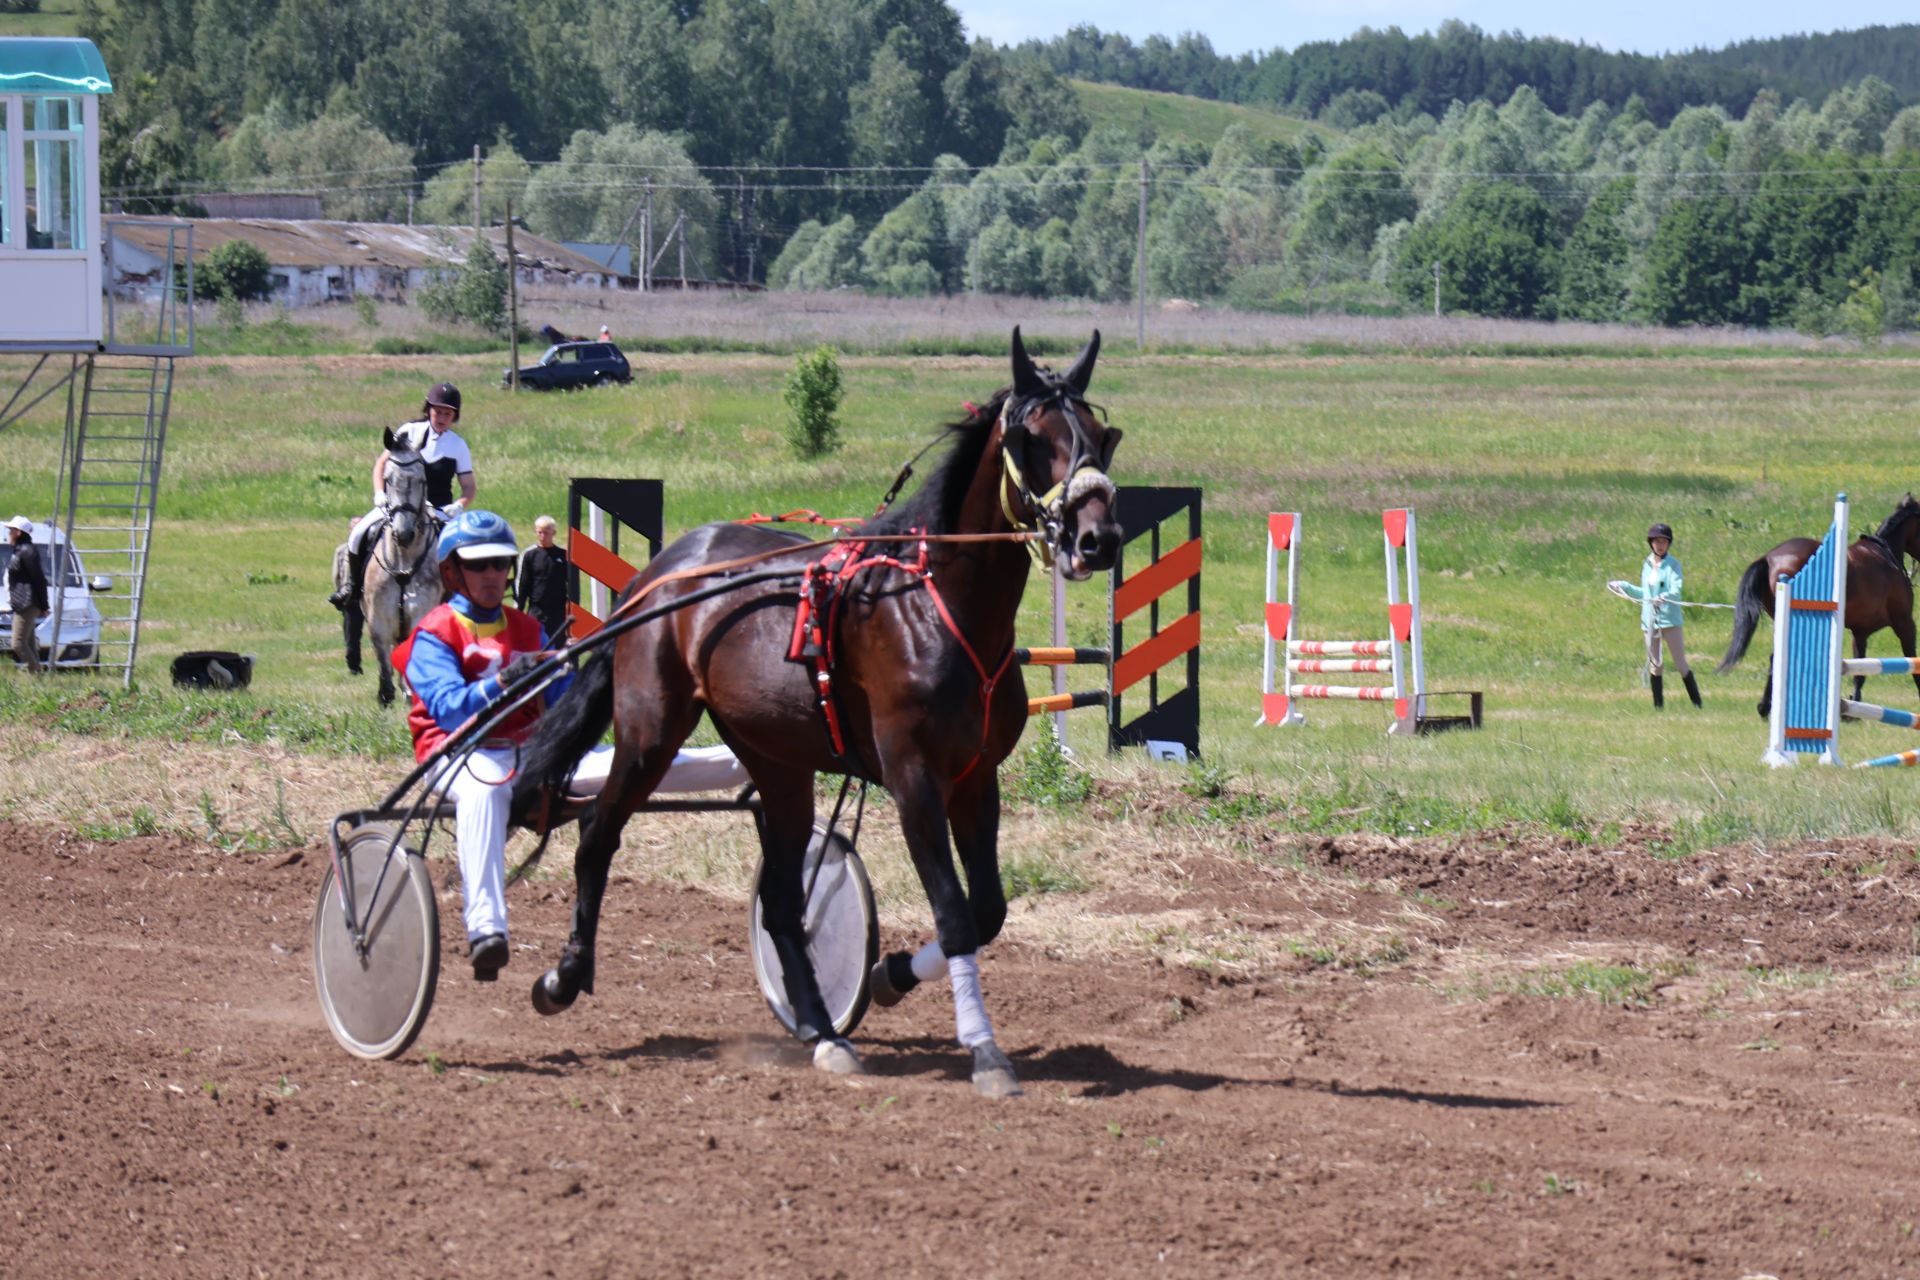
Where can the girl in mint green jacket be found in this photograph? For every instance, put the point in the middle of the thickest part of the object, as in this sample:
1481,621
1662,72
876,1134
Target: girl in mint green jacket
1659,596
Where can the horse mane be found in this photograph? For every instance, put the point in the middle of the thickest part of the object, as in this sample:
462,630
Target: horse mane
1907,510
934,505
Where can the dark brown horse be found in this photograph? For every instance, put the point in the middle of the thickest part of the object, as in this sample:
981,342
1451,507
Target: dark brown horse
925,699
1879,592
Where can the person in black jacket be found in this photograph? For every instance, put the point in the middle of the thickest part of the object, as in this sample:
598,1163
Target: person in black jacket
540,588
27,592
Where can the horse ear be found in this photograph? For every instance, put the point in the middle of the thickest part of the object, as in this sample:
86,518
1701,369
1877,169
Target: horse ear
1026,379
390,441
1082,371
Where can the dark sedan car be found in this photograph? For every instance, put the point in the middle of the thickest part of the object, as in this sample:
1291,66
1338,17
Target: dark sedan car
575,364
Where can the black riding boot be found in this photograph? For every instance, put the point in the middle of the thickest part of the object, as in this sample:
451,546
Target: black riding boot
352,622
347,598
1693,689
1659,697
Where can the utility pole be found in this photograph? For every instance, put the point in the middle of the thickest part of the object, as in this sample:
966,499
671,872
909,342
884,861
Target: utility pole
476,188
646,239
409,206
680,230
1436,289
513,307
1140,284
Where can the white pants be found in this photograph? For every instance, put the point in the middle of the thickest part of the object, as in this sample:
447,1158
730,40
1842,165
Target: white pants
482,793
360,527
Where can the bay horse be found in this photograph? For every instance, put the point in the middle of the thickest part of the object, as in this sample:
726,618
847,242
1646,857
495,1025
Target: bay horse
402,580
919,640
1879,591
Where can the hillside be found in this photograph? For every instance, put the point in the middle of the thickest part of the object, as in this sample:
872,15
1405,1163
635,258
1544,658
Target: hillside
1181,115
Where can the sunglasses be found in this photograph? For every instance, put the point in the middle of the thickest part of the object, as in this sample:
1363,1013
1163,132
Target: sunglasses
492,564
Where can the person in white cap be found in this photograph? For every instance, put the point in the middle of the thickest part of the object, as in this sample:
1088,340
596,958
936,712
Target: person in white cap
606,334
26,592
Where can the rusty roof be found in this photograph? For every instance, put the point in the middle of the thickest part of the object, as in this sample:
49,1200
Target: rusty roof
290,243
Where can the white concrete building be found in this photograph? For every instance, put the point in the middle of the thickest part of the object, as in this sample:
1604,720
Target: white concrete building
318,261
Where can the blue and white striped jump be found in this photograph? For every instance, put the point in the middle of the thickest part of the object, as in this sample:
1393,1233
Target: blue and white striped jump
1880,666
1852,710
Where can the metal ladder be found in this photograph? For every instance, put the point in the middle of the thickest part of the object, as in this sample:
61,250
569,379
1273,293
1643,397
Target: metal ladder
108,485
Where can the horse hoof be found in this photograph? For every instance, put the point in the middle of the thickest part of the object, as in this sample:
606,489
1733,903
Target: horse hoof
551,995
835,1057
993,1072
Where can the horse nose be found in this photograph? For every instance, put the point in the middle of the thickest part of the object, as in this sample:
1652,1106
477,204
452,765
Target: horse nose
1097,546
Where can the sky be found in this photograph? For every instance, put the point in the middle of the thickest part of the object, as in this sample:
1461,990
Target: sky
1241,26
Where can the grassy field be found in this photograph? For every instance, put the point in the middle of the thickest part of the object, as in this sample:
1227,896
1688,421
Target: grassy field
1534,479
56,18
1178,115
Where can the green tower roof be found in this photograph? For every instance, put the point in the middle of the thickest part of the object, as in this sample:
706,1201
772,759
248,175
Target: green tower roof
46,64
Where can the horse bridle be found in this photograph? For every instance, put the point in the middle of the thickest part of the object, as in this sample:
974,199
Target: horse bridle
1086,472
427,532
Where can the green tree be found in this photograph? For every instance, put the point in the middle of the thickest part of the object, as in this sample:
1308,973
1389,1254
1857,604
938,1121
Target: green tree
798,248
1348,200
1494,246
1005,260
1593,265
1039,104
1186,252
448,197
1060,273
473,293
812,396
908,253
974,126
1696,264
832,263
593,191
440,75
645,60
236,269
890,119
361,174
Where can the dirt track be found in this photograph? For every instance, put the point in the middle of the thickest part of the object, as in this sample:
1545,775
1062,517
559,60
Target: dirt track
170,1102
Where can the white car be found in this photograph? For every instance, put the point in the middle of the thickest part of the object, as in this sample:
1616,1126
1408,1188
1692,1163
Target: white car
80,619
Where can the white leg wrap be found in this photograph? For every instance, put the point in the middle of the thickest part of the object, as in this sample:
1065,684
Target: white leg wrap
969,1011
929,962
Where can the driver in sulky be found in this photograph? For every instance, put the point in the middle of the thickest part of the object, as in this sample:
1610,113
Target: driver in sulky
456,663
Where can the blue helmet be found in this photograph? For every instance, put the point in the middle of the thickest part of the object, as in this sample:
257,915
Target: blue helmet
477,535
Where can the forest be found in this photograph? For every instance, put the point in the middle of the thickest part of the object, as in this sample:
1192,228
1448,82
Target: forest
813,145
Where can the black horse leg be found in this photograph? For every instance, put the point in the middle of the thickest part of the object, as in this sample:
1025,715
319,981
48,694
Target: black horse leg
630,781
1766,692
923,820
1860,651
560,986
352,623
786,827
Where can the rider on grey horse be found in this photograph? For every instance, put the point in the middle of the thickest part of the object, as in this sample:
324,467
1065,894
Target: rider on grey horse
448,462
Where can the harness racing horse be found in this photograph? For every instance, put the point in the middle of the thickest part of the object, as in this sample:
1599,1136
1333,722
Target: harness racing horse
920,694
1879,592
402,582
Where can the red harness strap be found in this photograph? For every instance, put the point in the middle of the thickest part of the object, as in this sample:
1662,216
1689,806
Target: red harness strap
823,587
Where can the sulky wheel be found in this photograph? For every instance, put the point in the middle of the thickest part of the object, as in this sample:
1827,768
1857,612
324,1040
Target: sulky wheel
376,1002
843,934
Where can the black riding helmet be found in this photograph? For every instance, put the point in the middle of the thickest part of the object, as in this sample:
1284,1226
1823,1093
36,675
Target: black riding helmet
1657,531
444,394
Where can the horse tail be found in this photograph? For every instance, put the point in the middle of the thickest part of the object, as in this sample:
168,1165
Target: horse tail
561,737
1750,601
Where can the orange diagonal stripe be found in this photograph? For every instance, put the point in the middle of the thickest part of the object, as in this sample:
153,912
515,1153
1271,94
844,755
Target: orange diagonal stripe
1158,578
1156,651
598,563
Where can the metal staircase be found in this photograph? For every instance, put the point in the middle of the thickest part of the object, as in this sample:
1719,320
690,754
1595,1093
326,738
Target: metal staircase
109,483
